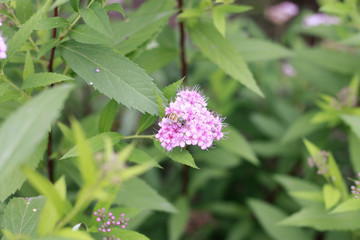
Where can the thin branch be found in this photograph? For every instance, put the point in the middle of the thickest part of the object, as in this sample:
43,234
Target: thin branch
182,44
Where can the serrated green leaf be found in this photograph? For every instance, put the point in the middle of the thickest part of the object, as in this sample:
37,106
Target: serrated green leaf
115,7
28,66
50,23
219,20
318,218
47,46
84,34
21,216
178,155
18,178
24,10
138,194
114,76
269,216
97,18
238,145
161,105
224,54
171,90
96,143
178,221
24,32
44,79
331,196
30,130
107,116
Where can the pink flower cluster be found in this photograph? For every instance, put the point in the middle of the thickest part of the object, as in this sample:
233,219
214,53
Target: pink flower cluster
109,220
355,189
282,12
199,126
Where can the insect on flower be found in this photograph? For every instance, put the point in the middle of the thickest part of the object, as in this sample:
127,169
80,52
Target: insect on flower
174,118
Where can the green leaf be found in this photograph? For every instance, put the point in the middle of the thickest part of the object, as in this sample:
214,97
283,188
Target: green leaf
138,194
331,196
156,58
269,216
238,145
107,116
65,130
44,79
171,90
146,121
115,76
223,53
50,23
24,10
18,178
318,218
139,156
161,105
84,34
96,143
219,20
312,196
21,216
117,7
85,160
143,25
24,32
47,46
178,221
338,8
75,4
354,151
28,66
128,234
46,188
178,155
270,126
232,8
353,122
256,50
228,160
31,123
348,205
97,18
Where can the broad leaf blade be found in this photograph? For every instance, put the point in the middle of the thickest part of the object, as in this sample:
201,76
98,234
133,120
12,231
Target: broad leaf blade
43,79
224,54
31,123
112,74
107,116
97,18
21,216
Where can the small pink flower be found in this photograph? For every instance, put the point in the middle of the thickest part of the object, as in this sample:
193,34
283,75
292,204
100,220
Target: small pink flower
201,127
282,12
320,19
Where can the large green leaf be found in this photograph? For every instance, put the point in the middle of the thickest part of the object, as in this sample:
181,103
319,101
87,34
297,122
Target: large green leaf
24,32
84,34
138,194
318,218
21,216
269,216
43,79
17,175
143,25
97,18
222,52
31,123
238,145
112,74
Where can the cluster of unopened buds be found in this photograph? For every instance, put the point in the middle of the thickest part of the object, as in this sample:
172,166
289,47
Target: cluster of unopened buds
320,161
355,189
189,122
108,221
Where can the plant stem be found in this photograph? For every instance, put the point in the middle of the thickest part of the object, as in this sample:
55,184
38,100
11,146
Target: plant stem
185,169
138,136
50,161
182,44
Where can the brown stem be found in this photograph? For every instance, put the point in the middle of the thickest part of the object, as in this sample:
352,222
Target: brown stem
185,170
182,44
50,161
